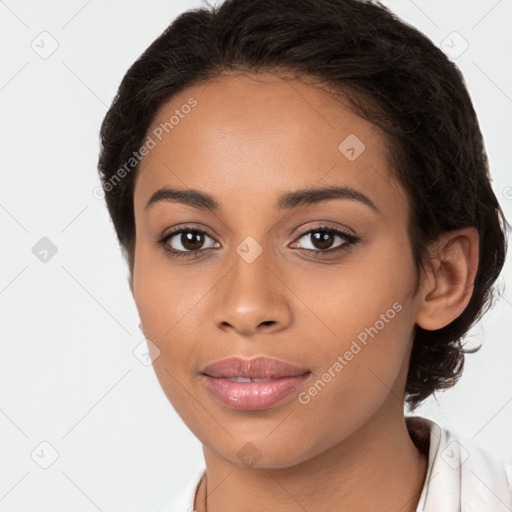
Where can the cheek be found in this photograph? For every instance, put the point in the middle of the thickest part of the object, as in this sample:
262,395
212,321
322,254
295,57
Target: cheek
165,307
170,302
357,369
363,312
164,295
342,301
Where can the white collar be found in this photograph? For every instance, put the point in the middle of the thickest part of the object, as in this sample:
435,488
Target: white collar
460,475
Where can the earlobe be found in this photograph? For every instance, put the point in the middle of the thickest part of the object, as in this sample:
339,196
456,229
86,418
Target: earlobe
448,287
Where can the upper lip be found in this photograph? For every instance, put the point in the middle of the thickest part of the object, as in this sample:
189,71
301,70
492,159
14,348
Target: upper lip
256,368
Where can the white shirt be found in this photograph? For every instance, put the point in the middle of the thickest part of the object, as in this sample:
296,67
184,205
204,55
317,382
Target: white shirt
461,477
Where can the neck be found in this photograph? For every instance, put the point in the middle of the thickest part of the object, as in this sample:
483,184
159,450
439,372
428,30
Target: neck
377,468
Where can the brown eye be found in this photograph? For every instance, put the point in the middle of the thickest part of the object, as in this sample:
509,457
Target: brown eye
192,240
187,240
323,240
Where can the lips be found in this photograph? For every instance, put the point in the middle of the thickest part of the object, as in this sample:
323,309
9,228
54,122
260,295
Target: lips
253,384
259,369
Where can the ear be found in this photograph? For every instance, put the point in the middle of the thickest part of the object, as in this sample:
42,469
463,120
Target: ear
448,286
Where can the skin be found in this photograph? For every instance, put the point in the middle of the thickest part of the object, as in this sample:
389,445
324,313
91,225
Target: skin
245,143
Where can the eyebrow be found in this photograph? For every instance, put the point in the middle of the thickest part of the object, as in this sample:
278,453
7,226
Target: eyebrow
286,201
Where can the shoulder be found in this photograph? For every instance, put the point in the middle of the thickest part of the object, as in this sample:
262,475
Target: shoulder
180,499
460,474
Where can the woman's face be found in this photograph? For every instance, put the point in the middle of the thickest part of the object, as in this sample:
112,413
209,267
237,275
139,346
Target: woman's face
255,286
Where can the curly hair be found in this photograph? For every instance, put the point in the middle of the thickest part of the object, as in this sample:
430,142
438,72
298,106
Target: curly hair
388,73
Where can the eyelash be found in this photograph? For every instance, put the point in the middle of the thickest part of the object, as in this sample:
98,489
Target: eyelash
350,240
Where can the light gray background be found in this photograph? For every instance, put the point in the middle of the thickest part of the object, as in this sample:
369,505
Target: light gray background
69,327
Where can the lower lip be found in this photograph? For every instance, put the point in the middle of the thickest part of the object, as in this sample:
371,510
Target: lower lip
253,396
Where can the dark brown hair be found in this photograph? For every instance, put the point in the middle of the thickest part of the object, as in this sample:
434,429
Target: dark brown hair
388,73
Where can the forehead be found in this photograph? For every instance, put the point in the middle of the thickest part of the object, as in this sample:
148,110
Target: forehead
262,135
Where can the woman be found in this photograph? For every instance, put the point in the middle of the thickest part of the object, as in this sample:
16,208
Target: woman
302,195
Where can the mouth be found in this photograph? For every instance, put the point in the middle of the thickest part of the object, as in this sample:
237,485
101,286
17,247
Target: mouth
253,384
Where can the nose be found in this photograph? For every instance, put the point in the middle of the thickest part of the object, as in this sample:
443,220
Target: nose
252,299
